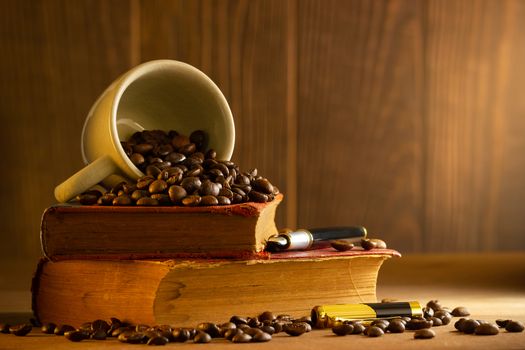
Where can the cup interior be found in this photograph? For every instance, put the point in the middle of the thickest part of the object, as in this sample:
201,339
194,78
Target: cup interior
171,95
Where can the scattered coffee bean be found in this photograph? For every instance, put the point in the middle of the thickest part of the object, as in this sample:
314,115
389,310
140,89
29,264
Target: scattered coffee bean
75,336
436,322
181,335
158,340
469,326
99,334
424,334
343,329
242,338
502,323
295,329
48,328
396,326
21,329
418,323
262,337
486,329
268,329
210,328
374,331
131,337
266,316
434,305
341,245
202,337
148,202
230,333
358,328
368,244
460,311
514,326
379,244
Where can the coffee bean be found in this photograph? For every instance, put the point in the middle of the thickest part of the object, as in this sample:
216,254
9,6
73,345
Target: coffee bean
238,320
358,328
266,316
106,199
268,329
159,340
99,334
396,326
263,186
424,334
89,197
202,337
21,329
143,148
188,149
460,311
175,158
434,305
341,245
116,332
209,200
418,323
131,337
436,322
295,329
122,200
459,324
141,328
198,137
211,328
181,335
428,312
367,244
191,201
147,202
502,323
48,328
180,141
138,194
137,159
162,198
258,197
230,333
223,200
262,337
380,244
343,329
4,328
75,336
191,184
60,330
158,186
469,326
241,338
486,329
514,326
374,331
152,170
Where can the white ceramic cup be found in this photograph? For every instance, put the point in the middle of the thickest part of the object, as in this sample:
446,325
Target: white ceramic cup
163,95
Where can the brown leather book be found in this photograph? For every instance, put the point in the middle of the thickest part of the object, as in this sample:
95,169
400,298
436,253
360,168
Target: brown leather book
186,292
100,232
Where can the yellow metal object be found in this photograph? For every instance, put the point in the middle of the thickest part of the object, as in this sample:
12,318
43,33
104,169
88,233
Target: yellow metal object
326,315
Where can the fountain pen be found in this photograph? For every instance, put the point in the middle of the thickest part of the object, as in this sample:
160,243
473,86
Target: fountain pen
303,239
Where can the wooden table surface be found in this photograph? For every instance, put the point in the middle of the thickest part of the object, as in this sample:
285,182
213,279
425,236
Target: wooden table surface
491,286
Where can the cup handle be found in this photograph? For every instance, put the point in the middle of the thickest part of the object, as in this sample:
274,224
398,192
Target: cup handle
85,178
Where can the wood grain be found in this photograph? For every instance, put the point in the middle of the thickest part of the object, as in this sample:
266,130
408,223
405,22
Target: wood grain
58,57
242,46
360,123
474,126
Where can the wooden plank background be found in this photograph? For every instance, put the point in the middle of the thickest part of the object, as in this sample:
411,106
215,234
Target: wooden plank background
405,116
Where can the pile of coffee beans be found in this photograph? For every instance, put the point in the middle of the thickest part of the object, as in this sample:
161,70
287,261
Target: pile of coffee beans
366,243
180,172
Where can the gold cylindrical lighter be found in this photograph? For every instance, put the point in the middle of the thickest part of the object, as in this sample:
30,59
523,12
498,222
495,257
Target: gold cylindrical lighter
326,315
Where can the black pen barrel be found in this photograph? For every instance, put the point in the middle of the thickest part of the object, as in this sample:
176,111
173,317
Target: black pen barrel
331,233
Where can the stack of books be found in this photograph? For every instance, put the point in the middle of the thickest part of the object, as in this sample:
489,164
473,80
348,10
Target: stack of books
182,266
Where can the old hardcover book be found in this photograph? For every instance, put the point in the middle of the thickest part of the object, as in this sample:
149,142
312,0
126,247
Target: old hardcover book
187,292
99,232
